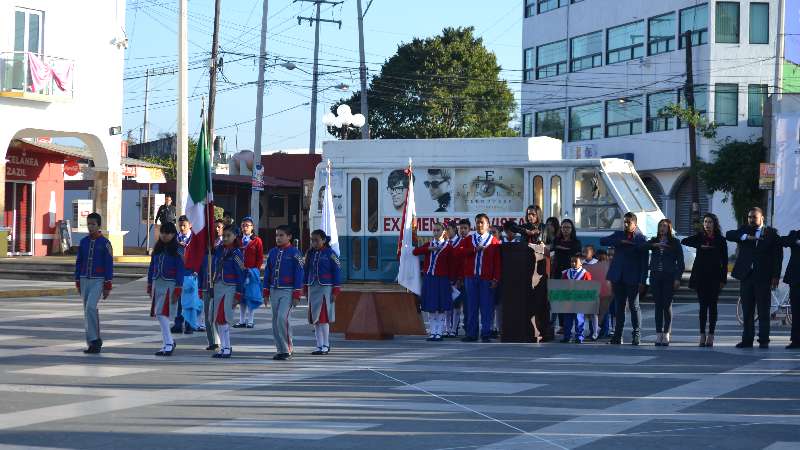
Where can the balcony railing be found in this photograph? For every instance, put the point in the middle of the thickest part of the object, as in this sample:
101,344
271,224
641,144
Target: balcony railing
36,77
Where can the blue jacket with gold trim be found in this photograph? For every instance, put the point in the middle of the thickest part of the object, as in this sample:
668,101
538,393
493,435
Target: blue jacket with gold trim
322,266
95,259
284,269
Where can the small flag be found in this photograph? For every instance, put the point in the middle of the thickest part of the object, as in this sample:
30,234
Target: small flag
409,274
329,216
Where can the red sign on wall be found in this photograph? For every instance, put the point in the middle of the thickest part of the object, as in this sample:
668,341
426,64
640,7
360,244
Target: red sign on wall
71,167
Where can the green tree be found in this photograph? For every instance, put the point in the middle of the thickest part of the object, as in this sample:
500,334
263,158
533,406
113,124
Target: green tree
446,86
170,162
734,172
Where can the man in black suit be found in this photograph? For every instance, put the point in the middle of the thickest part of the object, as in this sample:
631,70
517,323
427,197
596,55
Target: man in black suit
758,268
792,278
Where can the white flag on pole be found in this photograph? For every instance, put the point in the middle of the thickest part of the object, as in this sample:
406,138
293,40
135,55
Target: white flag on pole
409,273
329,216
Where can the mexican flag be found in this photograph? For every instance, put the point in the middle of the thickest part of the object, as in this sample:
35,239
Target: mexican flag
200,205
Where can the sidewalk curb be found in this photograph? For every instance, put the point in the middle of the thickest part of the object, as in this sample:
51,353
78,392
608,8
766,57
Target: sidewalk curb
22,293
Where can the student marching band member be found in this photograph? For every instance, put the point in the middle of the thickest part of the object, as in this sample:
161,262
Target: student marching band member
94,272
481,274
283,283
437,291
575,272
164,283
322,279
228,272
253,250
666,269
709,273
184,236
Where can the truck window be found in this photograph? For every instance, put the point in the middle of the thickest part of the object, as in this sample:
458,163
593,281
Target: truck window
555,195
634,193
595,206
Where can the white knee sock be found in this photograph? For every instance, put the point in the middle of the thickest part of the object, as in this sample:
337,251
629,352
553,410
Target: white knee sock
251,315
325,331
242,313
225,335
318,334
166,335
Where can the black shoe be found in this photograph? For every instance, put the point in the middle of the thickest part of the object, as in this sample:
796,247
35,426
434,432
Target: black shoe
239,325
212,347
281,357
763,345
226,355
564,341
250,325
615,341
326,350
744,345
177,329
431,338
469,339
318,352
486,339
188,330
92,350
495,334
635,340
793,346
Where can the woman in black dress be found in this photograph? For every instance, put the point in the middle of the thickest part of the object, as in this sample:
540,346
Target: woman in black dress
709,273
564,246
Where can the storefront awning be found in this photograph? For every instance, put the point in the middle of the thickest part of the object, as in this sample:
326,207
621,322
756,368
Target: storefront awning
79,153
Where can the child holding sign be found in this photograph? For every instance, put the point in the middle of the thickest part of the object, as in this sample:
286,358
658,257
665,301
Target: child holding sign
575,272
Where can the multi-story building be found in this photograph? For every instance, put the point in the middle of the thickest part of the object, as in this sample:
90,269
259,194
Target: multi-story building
61,66
598,73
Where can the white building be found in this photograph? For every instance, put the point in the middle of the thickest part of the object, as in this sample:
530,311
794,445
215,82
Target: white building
61,70
597,72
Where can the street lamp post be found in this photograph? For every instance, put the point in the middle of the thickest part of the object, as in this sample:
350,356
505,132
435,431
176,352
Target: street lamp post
343,120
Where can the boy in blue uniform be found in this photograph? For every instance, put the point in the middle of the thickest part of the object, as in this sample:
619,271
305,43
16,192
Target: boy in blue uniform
283,283
94,271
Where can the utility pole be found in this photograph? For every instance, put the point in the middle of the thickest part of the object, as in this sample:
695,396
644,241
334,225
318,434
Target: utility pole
146,92
212,81
315,77
255,195
688,93
182,181
362,70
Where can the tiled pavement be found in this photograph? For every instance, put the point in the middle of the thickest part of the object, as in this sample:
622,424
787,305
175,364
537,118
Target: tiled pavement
400,394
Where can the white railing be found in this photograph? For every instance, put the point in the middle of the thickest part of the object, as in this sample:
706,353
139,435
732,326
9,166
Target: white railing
56,75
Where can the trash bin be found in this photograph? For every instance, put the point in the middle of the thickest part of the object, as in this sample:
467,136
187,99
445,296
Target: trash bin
5,233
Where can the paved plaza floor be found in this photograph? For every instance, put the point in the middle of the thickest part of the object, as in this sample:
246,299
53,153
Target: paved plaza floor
398,394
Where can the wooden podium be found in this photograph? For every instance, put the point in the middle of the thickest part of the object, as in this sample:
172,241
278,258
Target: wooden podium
366,315
515,293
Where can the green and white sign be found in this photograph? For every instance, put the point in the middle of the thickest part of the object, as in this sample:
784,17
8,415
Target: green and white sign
574,296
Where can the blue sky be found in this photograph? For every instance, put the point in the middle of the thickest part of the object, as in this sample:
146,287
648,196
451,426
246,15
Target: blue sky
152,25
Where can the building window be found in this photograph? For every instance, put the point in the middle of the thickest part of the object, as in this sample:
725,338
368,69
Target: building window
586,122
700,101
530,8
555,196
529,66
550,123
694,19
538,191
549,5
551,59
759,23
624,116
726,104
756,97
625,42
655,106
527,124
661,34
727,23
586,51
